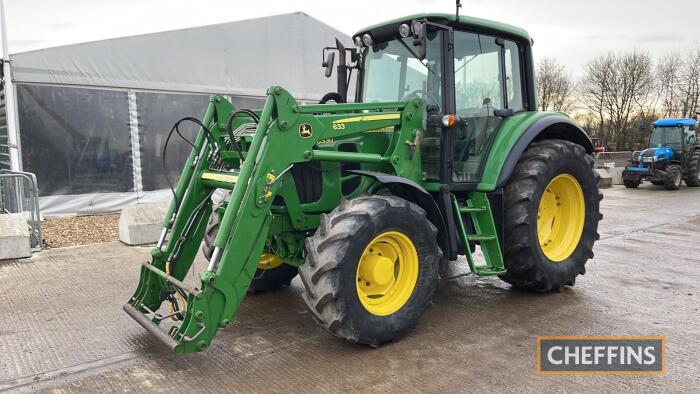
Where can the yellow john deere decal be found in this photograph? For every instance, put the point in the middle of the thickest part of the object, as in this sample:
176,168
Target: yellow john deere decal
228,178
368,117
389,129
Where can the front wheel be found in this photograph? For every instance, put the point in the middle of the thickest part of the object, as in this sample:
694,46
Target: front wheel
552,209
673,177
371,269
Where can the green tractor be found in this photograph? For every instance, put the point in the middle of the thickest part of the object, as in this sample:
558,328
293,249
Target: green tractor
443,150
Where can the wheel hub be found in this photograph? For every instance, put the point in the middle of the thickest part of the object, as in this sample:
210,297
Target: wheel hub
387,273
560,217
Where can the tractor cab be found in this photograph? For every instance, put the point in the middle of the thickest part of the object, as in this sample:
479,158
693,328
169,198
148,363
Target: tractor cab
469,74
671,156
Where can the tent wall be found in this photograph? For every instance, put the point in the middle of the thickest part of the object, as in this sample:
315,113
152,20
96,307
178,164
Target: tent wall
4,137
95,150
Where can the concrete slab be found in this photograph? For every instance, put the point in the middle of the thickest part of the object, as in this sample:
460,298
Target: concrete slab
604,180
141,224
14,236
616,174
63,329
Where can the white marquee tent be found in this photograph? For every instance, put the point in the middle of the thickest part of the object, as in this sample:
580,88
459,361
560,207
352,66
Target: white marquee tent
93,117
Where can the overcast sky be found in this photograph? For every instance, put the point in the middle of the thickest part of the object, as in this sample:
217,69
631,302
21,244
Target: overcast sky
573,31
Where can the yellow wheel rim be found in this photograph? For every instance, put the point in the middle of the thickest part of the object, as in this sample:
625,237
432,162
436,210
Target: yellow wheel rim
387,273
269,261
560,217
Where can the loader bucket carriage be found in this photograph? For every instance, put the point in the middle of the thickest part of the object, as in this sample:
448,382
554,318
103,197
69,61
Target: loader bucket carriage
442,151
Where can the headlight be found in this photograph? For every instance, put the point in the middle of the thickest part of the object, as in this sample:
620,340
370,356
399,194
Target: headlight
404,30
358,42
367,40
648,159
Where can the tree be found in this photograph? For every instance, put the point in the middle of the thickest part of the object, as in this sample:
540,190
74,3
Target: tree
668,75
554,86
689,84
616,87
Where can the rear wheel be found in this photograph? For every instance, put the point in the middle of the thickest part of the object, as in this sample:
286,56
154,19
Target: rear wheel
371,269
551,216
272,272
673,177
693,177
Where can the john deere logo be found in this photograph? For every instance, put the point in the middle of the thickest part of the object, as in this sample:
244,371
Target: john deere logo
305,130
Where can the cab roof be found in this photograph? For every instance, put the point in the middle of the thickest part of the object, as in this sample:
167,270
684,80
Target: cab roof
465,21
672,122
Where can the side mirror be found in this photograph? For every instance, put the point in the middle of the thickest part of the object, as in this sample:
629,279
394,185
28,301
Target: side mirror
328,64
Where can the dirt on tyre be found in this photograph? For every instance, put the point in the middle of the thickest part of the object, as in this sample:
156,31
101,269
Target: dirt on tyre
371,269
673,177
552,210
272,272
692,179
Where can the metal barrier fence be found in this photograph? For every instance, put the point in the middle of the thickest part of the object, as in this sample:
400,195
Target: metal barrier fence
619,158
19,194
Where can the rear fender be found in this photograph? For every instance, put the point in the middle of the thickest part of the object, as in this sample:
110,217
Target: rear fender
547,126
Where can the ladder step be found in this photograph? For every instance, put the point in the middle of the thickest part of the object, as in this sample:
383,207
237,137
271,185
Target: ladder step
481,237
488,271
472,209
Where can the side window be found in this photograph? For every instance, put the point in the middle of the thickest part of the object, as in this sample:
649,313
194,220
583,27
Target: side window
479,88
477,74
514,82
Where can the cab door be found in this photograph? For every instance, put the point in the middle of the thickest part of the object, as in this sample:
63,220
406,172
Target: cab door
487,78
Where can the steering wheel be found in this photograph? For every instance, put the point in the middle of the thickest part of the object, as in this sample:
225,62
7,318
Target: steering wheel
419,94
332,96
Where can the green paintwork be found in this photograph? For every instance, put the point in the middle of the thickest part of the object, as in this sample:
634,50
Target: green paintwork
467,21
509,132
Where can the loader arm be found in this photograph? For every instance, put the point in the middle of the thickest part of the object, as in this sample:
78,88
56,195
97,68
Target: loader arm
287,134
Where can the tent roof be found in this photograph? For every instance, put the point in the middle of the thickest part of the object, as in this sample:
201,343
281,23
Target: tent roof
242,57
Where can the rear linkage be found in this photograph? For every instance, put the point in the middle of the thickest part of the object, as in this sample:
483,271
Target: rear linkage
286,134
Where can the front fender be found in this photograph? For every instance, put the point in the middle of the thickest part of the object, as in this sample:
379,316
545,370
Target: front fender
516,133
412,191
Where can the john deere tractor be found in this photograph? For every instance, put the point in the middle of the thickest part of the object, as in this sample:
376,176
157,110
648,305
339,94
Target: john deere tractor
442,151
673,156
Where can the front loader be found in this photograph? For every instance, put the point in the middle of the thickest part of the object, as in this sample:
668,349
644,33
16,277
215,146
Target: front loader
443,150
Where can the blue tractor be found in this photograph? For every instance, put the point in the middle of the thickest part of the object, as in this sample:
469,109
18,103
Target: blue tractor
673,156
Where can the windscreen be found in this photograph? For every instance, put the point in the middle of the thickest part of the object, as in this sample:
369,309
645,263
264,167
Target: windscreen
666,136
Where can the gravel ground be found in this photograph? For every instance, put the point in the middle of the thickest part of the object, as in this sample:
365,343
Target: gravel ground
80,230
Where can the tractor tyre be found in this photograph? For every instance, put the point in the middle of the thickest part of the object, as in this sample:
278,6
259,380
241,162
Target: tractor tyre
631,183
673,177
371,269
551,216
692,179
657,183
272,273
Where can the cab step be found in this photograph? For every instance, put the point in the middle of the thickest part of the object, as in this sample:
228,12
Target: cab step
479,209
